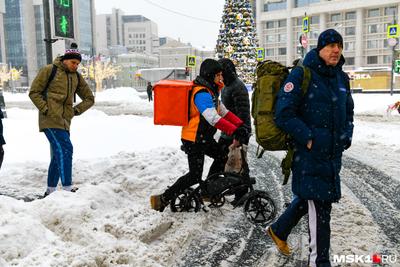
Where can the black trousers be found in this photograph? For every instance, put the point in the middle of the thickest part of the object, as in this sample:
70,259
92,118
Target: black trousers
195,154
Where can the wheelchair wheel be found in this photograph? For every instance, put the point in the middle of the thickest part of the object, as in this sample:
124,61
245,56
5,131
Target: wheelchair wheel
185,201
259,208
217,201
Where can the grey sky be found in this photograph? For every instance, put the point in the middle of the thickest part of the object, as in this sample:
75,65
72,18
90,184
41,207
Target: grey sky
198,33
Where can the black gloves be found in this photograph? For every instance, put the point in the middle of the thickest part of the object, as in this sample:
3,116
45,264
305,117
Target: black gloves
241,134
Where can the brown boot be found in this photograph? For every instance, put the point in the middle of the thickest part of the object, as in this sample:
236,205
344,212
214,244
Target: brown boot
158,202
281,245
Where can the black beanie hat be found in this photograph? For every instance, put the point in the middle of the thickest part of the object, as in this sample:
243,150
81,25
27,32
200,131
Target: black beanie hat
72,53
209,68
330,36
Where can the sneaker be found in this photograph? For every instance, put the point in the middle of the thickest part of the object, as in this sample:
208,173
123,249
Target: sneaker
46,194
281,245
158,202
74,189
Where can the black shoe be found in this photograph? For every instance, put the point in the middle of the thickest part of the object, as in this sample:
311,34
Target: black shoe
46,194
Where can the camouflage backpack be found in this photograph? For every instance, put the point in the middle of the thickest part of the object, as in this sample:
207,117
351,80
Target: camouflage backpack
270,76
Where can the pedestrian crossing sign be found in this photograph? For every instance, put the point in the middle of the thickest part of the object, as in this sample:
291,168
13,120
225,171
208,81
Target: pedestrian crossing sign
260,53
393,31
306,25
190,61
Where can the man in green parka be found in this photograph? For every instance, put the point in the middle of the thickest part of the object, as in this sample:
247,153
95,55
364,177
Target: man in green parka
52,92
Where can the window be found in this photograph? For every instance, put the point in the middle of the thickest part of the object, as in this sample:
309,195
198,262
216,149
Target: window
282,38
275,6
335,17
390,11
282,23
282,51
314,19
373,12
270,25
350,15
372,60
270,38
350,31
314,34
299,21
385,43
300,3
387,59
371,44
269,52
349,61
349,46
372,28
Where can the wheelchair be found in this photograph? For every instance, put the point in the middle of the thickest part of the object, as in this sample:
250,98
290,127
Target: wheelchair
258,206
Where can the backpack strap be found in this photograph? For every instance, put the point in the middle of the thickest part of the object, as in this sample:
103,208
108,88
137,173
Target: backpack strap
51,77
286,163
306,79
77,86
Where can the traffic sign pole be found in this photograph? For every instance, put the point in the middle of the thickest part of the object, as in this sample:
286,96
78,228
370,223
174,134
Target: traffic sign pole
393,32
47,31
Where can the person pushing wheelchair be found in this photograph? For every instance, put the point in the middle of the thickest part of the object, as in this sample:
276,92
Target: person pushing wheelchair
206,115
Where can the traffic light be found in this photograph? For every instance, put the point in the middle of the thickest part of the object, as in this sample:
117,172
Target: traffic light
63,17
397,66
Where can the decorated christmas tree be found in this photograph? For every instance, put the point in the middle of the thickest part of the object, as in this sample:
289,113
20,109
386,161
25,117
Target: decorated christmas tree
237,38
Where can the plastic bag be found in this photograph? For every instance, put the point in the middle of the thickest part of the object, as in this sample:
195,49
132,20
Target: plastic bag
235,161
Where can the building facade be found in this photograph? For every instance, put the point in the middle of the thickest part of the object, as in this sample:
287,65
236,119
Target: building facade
2,38
130,63
135,32
86,30
140,34
20,37
173,55
363,25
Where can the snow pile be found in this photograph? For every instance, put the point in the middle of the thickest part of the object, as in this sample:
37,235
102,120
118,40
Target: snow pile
119,161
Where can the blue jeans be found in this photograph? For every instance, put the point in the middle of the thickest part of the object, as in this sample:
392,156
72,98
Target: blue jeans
61,157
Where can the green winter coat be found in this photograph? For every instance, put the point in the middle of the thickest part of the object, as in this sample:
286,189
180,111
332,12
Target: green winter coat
57,110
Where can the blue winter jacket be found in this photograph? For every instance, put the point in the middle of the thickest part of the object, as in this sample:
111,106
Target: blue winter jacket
325,116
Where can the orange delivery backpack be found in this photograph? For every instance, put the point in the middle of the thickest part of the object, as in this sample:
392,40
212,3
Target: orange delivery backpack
171,102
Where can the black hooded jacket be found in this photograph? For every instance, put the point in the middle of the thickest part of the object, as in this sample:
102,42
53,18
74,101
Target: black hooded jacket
235,96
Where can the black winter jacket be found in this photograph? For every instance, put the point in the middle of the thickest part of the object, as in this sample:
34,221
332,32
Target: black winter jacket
235,97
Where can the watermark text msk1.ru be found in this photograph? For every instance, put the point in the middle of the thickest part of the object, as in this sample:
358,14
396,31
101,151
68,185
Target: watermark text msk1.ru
375,259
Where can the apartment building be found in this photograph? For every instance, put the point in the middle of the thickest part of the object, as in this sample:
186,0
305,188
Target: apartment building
173,55
135,32
140,34
362,23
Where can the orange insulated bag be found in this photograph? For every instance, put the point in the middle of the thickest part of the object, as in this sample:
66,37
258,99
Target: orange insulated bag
171,102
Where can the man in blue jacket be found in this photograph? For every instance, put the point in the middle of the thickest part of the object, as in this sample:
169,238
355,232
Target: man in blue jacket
321,126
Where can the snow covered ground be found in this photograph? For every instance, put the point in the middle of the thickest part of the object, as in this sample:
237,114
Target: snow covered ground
119,161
